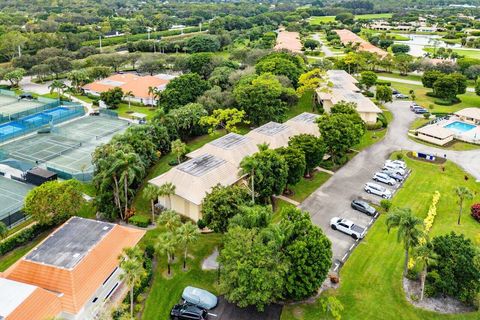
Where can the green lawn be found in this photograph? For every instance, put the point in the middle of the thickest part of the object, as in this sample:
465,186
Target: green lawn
456,145
469,99
371,279
165,292
304,105
325,19
306,186
373,136
467,53
124,110
413,77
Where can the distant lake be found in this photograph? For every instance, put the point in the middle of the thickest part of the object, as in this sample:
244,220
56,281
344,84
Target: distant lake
419,41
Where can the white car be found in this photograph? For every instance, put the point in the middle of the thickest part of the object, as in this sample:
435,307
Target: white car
378,190
388,166
398,163
348,227
384,178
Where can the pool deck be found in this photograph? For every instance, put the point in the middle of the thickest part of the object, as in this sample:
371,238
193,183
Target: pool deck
472,135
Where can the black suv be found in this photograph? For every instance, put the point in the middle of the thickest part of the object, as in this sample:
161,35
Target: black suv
188,312
364,207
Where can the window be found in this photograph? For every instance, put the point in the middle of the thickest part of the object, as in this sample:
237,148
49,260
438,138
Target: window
111,274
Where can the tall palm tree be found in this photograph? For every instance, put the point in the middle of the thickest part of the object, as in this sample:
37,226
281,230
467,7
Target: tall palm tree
166,244
151,193
129,95
57,86
463,193
408,232
248,166
170,220
187,234
131,263
128,166
167,190
426,256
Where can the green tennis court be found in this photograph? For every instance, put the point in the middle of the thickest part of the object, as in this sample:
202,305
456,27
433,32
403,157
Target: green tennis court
12,194
12,105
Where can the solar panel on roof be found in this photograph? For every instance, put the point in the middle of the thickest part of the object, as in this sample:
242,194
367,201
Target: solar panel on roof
201,165
229,141
305,118
109,82
271,128
67,246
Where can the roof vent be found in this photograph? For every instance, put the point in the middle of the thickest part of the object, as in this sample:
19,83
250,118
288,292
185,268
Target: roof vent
105,228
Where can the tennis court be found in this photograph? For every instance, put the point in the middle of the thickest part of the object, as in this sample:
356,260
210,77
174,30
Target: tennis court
68,149
11,105
12,194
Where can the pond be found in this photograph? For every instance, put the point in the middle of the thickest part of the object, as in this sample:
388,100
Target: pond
419,41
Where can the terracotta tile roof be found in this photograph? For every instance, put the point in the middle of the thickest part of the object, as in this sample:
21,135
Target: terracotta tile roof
77,284
288,40
19,301
128,82
347,36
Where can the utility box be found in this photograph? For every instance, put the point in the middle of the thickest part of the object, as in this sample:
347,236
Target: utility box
38,176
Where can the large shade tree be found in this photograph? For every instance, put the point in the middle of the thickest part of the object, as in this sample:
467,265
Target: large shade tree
313,149
295,159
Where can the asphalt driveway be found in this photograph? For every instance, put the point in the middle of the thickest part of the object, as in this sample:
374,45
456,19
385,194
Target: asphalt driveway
228,311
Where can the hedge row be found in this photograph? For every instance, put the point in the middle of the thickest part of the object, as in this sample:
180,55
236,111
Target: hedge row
23,237
139,221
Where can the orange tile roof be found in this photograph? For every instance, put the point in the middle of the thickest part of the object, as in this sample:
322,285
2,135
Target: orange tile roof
78,284
138,85
40,305
347,36
288,40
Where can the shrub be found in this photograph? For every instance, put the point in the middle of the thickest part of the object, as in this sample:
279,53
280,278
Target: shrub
139,221
368,94
399,156
24,236
383,83
383,119
386,204
475,211
426,115
201,224
377,125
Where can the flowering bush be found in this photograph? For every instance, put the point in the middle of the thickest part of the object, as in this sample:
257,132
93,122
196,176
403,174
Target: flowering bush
475,210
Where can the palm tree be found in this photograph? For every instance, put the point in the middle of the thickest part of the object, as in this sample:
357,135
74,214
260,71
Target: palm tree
167,190
151,193
131,263
129,95
426,256
170,220
166,244
408,230
187,234
248,166
463,193
153,92
57,86
128,166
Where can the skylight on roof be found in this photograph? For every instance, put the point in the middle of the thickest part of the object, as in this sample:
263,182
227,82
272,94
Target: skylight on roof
271,128
229,141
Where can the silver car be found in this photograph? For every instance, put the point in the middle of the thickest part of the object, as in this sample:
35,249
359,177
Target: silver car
384,178
378,190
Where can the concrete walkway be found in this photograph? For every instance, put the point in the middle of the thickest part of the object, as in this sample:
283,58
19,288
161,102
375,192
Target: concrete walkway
413,82
326,50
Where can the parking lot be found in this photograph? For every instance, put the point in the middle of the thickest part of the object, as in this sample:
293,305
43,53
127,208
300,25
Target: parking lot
229,311
334,197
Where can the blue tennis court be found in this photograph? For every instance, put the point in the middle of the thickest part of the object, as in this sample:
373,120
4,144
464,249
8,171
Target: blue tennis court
10,130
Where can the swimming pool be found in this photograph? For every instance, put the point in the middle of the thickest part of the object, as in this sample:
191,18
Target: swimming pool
460,127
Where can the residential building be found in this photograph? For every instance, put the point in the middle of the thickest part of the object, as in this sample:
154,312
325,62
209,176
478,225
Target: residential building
71,274
343,88
470,115
129,82
218,162
348,37
288,40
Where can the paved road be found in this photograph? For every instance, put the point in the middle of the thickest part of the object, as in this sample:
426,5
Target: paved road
326,50
414,82
333,198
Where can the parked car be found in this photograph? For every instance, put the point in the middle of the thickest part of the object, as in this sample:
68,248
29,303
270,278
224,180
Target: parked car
395,91
400,96
394,168
378,190
347,227
199,297
398,163
394,175
414,105
188,311
420,110
26,96
364,207
384,178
